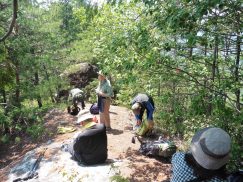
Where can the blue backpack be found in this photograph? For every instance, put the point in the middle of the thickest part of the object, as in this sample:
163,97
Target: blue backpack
94,109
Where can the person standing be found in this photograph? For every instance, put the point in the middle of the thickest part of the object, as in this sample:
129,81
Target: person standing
104,92
140,103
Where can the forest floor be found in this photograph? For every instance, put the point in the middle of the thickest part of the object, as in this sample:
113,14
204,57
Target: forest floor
120,147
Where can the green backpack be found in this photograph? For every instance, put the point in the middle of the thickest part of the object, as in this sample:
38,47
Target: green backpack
143,128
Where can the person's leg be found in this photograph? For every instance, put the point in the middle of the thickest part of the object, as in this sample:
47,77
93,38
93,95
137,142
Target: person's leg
75,102
141,114
102,117
69,109
82,103
150,111
107,103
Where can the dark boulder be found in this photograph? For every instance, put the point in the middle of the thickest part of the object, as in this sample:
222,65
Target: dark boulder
84,73
84,76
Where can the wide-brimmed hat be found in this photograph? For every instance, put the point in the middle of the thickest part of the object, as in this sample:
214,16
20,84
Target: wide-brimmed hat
102,73
136,106
86,121
210,147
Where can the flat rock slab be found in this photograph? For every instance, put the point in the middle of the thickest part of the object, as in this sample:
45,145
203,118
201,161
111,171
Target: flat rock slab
57,165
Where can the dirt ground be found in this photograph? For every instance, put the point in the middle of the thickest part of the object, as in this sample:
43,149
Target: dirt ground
120,147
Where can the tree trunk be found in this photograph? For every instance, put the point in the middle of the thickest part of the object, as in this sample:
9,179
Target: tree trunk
37,83
237,64
17,91
47,78
15,10
214,69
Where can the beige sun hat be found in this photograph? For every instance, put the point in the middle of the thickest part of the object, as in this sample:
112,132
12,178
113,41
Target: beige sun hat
136,106
102,73
210,147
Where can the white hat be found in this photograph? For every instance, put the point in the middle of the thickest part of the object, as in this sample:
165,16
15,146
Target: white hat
102,73
210,147
136,106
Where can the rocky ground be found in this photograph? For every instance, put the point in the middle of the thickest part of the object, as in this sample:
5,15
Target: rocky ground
124,158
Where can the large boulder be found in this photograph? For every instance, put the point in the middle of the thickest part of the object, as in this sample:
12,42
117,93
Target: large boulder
84,75
79,75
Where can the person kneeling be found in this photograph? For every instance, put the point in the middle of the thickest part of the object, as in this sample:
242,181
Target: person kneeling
90,146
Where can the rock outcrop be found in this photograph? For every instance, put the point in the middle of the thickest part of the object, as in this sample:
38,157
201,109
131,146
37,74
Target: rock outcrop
84,76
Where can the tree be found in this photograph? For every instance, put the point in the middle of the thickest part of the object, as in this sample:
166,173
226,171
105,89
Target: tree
15,9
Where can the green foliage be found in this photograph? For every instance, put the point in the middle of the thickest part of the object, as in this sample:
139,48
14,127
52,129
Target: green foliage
89,91
36,130
5,121
17,140
27,119
5,138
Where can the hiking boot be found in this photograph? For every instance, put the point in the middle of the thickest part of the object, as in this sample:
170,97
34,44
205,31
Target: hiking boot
108,128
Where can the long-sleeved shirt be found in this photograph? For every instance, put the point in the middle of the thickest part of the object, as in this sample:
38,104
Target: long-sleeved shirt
184,173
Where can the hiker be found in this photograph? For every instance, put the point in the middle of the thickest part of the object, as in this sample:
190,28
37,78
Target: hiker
140,103
90,146
206,160
104,92
77,97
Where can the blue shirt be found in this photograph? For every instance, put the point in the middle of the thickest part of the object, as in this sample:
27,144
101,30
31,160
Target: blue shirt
181,172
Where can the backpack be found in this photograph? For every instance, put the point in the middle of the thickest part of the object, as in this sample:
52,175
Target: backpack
73,110
144,128
236,176
158,148
94,109
90,146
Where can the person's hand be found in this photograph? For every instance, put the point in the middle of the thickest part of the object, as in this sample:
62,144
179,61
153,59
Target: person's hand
139,122
101,94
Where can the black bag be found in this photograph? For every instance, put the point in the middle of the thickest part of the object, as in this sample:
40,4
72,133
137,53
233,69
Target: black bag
94,109
73,110
90,147
236,176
